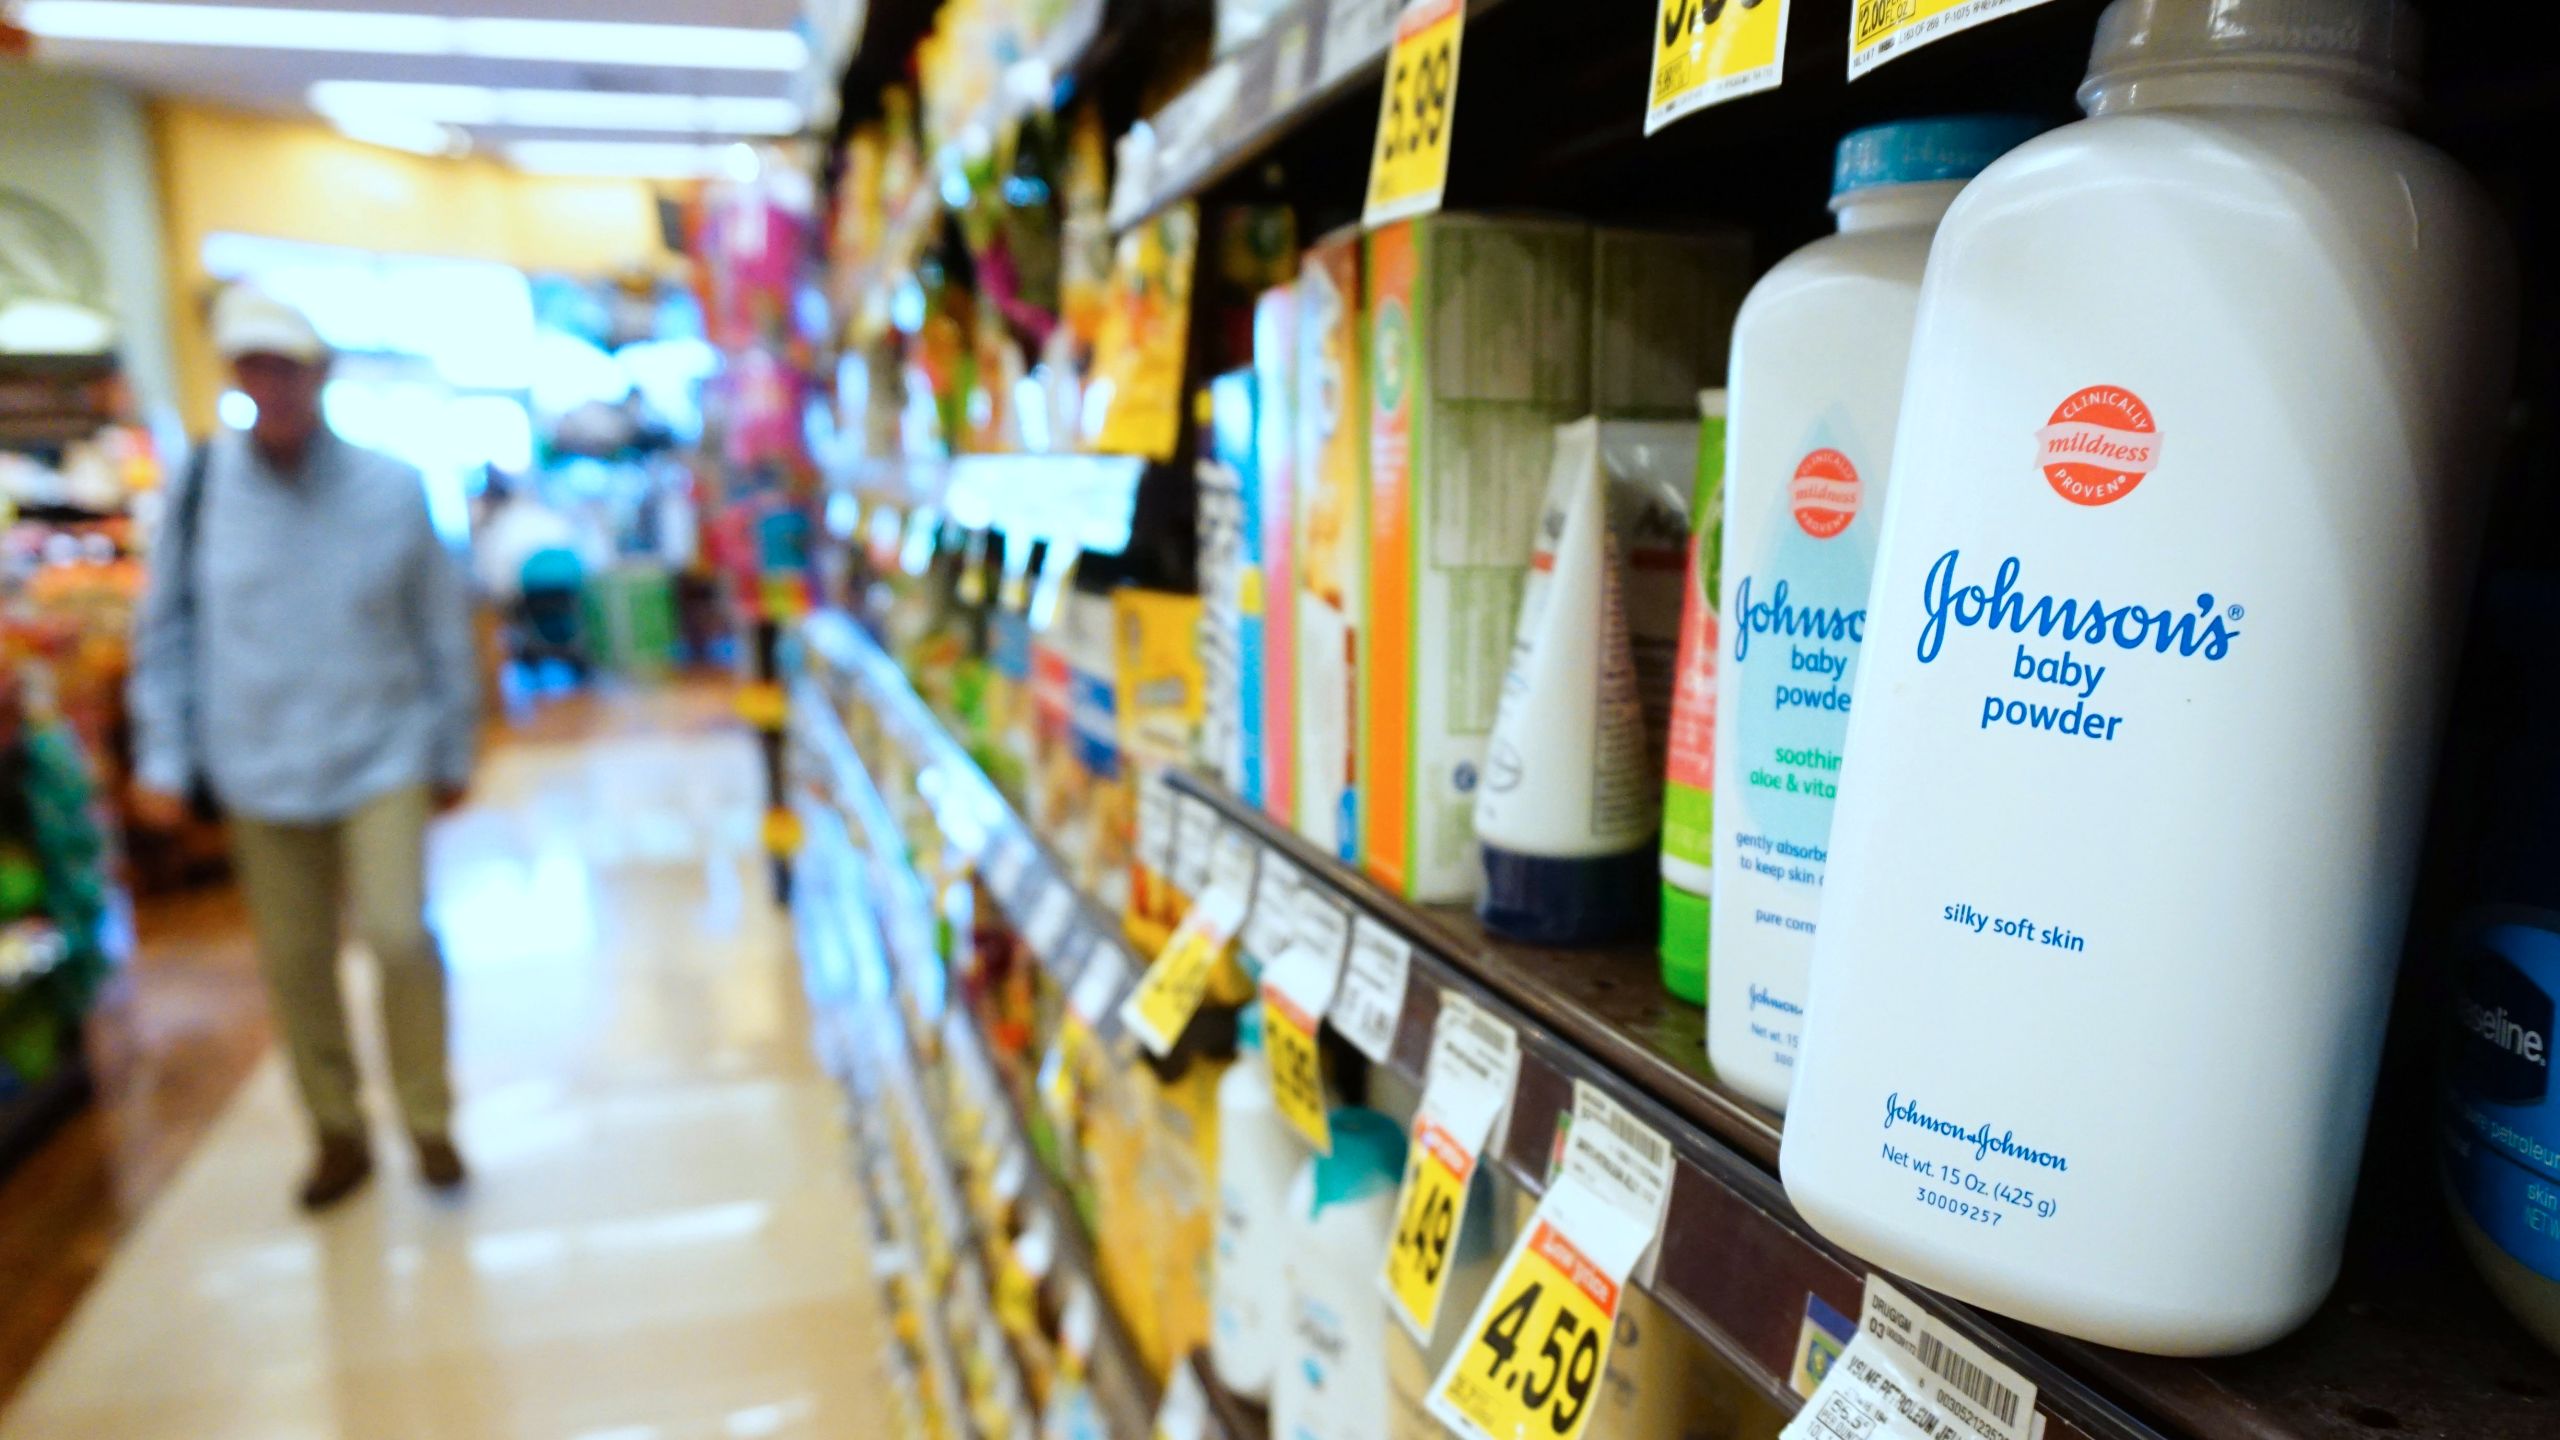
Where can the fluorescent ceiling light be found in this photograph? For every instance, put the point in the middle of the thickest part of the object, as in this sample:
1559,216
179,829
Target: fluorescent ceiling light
559,109
591,42
641,159
414,133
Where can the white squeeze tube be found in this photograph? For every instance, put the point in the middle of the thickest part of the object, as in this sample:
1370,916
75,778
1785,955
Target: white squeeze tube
1568,807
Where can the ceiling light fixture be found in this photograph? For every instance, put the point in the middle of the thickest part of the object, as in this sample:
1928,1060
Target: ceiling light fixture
414,133
594,42
646,160
559,109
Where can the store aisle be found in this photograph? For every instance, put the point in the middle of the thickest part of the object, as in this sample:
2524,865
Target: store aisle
662,1238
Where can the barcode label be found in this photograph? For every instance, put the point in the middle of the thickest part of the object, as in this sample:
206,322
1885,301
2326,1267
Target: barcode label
1969,1378
1983,1397
1618,1157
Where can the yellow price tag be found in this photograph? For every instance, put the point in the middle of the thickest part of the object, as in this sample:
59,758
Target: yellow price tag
762,705
1297,1069
1169,994
782,833
1409,160
1709,51
1881,30
1429,1210
1533,1363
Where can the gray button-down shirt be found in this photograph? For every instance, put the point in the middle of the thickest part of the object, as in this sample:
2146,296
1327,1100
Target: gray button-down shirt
327,657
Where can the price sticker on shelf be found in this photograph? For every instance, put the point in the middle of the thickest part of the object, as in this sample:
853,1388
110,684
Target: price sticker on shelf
1270,926
1409,160
1050,920
1475,1062
1008,860
1539,1341
1866,1395
1296,991
1183,1414
1985,1398
763,705
1155,821
1231,862
1370,1004
1097,991
1708,51
1195,844
1881,30
1160,1008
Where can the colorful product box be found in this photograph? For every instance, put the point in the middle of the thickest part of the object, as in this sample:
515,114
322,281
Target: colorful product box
1662,308
1158,684
1275,371
1480,346
1328,582
1230,563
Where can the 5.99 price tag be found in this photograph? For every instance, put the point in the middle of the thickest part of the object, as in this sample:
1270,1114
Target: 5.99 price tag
1409,162
1475,1059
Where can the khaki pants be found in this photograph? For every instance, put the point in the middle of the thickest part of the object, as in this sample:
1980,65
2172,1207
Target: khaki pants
299,880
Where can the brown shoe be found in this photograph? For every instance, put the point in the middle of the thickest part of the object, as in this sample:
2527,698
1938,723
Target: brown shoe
439,1164
340,1169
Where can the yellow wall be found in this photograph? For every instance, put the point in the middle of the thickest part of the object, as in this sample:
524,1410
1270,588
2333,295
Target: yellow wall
227,170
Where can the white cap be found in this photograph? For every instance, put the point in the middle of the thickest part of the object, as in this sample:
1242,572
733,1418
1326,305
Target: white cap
249,321
2369,45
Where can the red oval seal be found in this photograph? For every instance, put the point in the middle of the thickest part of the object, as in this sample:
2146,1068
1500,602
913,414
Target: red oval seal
2098,445
1824,493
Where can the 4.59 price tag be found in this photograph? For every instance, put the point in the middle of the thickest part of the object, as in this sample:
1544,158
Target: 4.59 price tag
1537,1344
1409,162
1534,1352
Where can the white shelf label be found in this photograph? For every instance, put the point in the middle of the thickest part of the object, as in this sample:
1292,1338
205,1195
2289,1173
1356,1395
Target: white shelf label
1050,920
1867,1396
1268,929
1984,1397
1195,843
1371,1001
1155,820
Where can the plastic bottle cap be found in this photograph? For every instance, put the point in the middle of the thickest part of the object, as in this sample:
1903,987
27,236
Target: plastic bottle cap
1914,152
2371,44
1249,1026
1368,1156
1684,943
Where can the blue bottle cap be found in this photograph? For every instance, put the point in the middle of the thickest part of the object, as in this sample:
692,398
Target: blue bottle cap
1912,152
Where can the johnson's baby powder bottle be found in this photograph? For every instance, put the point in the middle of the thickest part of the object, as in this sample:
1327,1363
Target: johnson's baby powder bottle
1818,354
2200,400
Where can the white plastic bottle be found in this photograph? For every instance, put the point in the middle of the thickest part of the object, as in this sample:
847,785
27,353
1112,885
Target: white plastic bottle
2200,399
1816,383
1257,1152
1331,1382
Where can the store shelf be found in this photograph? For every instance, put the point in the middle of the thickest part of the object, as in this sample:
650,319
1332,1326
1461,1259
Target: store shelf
1085,501
900,1012
2408,1346
1308,58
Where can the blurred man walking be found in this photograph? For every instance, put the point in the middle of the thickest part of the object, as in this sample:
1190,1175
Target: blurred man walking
302,657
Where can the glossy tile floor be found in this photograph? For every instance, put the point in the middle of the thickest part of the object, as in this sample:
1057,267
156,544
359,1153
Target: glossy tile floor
662,1238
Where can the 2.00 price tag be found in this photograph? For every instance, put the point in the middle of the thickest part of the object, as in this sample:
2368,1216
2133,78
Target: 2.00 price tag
1409,161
